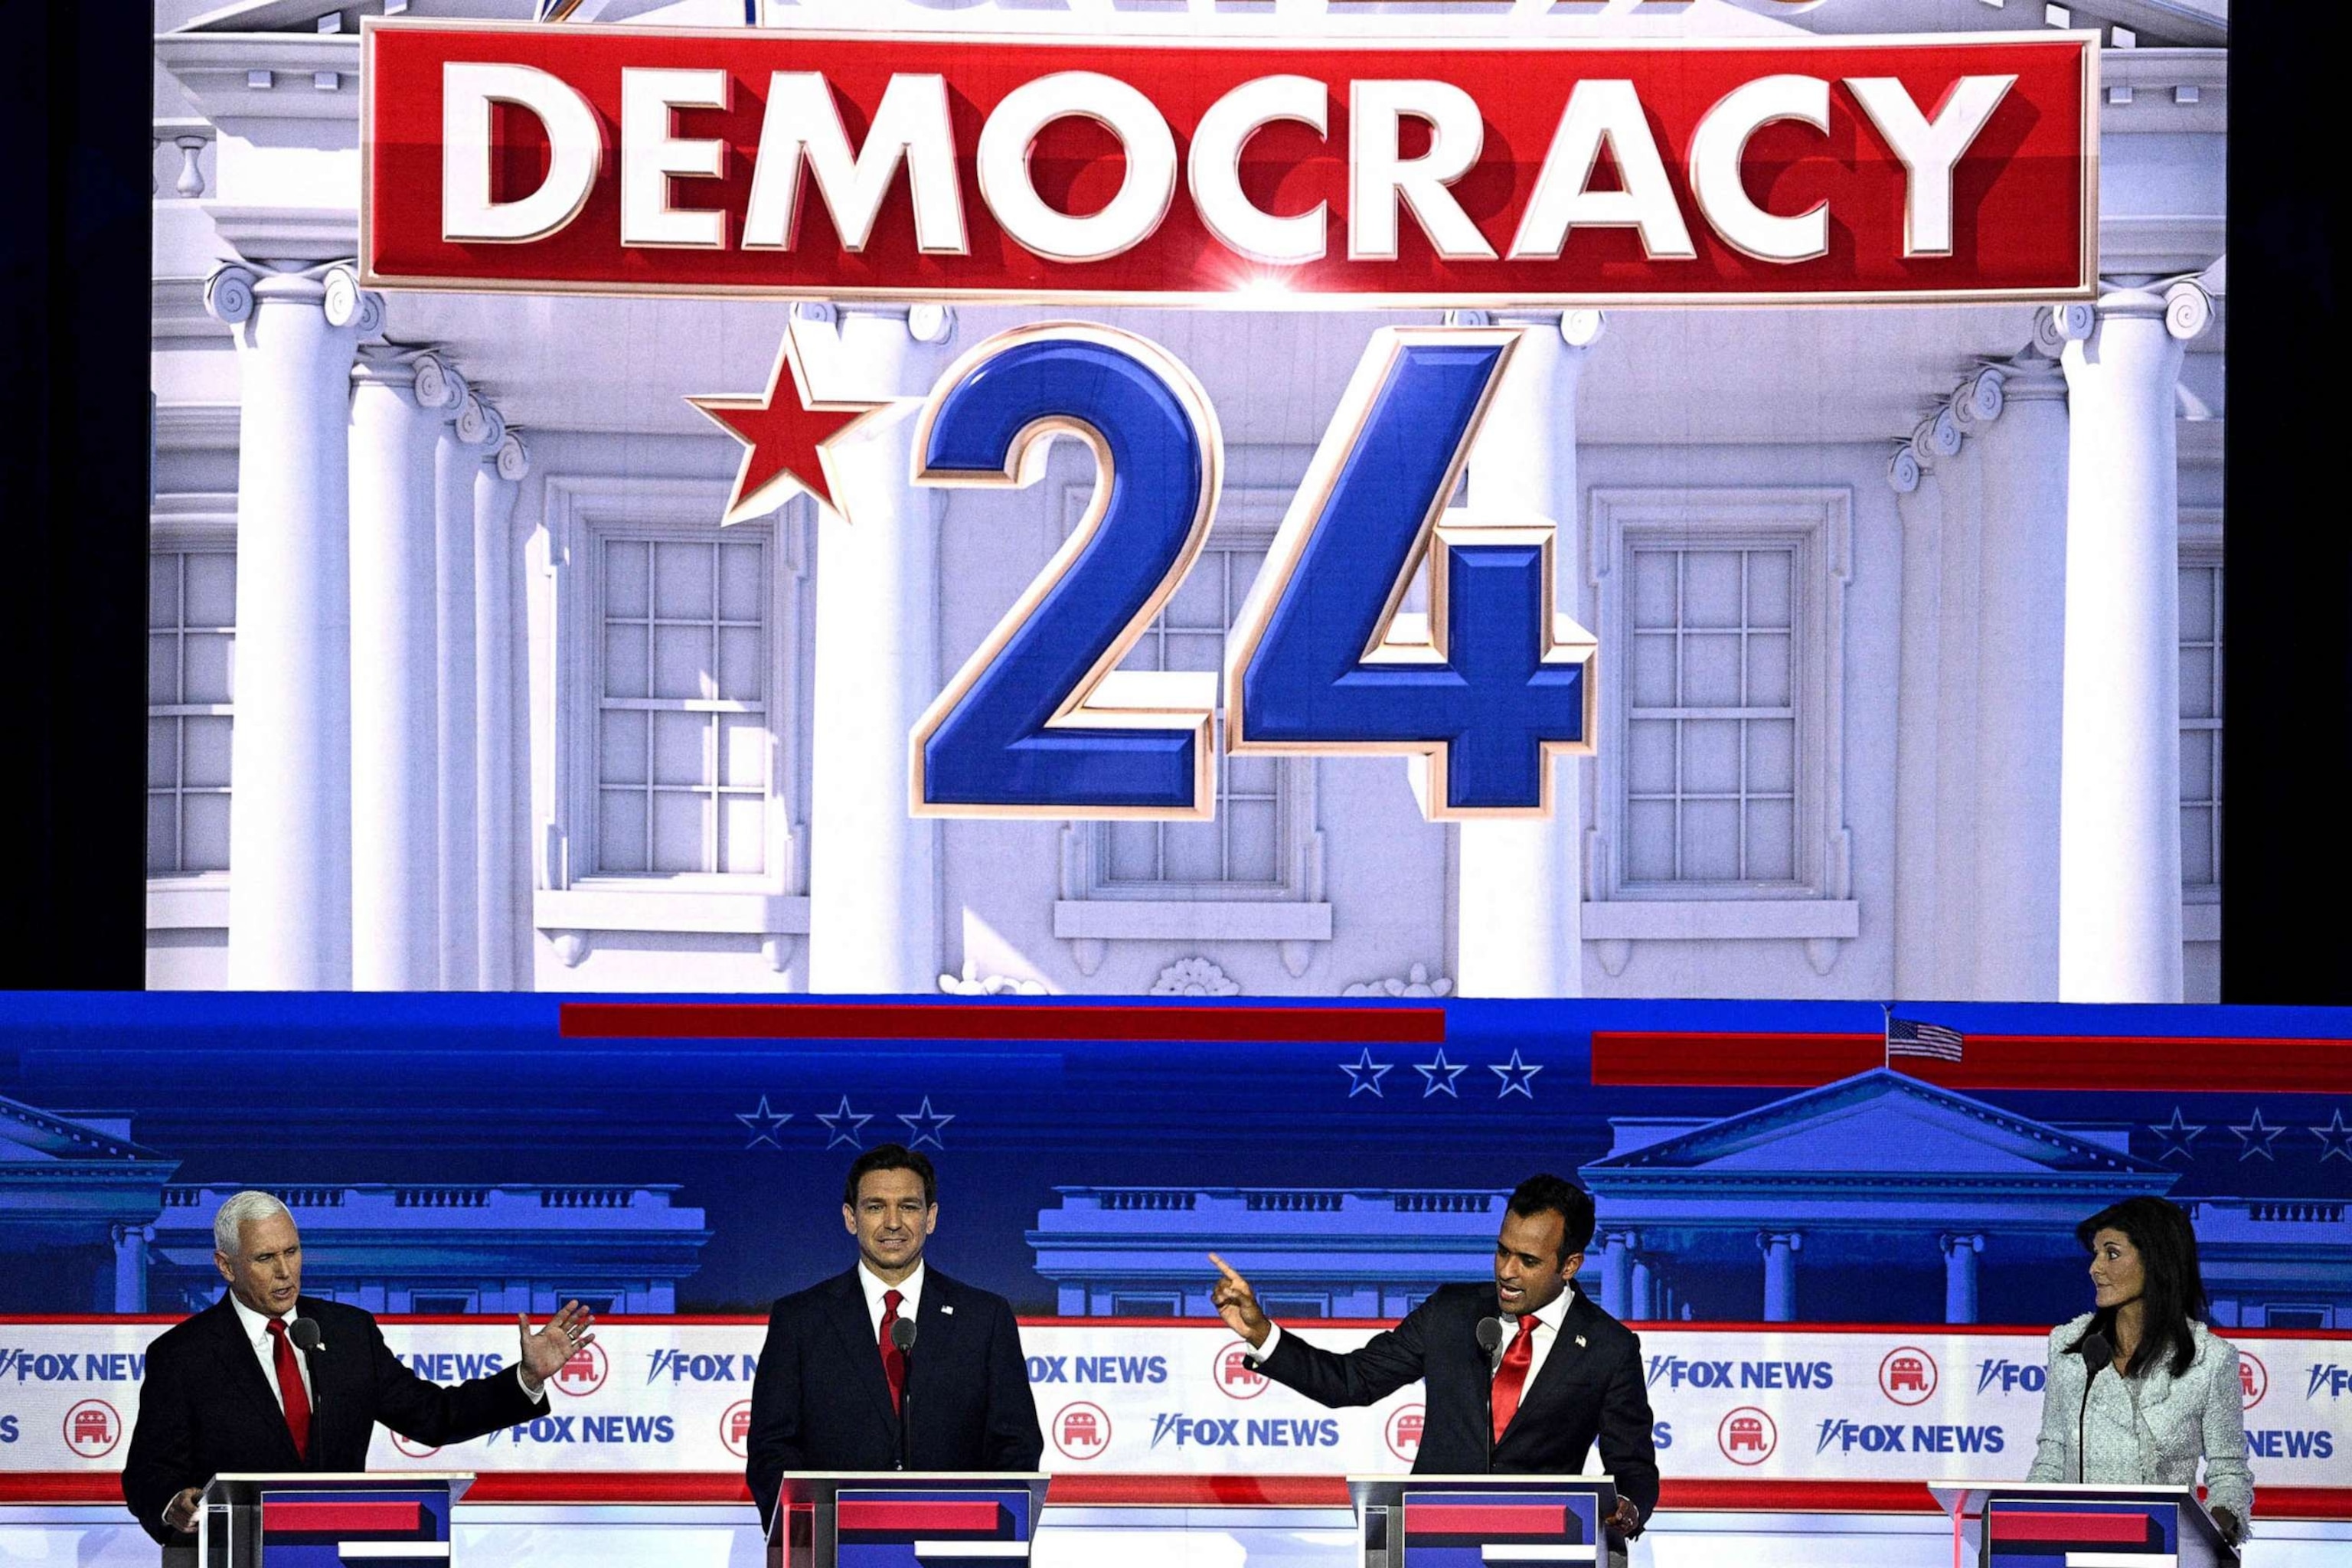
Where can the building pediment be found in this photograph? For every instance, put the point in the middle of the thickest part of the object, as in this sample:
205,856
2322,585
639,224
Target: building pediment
30,1136
1876,1123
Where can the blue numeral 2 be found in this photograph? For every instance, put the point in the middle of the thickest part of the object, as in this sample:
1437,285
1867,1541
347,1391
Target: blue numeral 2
1040,722
1321,658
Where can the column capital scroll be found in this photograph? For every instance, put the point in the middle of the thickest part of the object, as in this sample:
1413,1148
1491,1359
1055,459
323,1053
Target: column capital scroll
510,457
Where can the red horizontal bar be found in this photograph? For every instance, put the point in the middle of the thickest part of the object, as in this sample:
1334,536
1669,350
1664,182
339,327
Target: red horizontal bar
2208,1064
2069,1527
389,1517
962,1516
1369,1023
1491,1519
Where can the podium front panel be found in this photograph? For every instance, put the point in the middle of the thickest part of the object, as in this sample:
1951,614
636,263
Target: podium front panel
2065,1533
1445,1527
876,1528
312,1526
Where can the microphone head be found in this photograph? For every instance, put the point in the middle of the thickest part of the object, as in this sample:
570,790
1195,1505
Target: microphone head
304,1333
902,1333
1490,1334
2096,1352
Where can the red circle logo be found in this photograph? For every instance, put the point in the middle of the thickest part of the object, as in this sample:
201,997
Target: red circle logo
92,1428
1081,1431
413,1449
1747,1436
735,1428
2254,1379
1404,1430
1237,1376
1907,1375
583,1374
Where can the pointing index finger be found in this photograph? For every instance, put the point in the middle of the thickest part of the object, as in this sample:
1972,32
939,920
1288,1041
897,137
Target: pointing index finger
1227,1270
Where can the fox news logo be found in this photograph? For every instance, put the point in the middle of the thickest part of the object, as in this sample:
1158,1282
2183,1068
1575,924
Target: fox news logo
1679,1371
1233,1432
2009,1375
611,1430
29,1366
1895,1437
679,1367
2329,1379
2287,1443
1098,1369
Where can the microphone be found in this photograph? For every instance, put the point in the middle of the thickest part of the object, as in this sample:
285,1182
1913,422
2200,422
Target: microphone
2096,1354
902,1334
1490,1341
304,1332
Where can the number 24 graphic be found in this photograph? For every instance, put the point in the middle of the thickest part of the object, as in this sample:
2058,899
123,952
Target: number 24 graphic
1480,694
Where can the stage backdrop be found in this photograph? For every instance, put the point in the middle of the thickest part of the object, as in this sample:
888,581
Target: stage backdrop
1843,1270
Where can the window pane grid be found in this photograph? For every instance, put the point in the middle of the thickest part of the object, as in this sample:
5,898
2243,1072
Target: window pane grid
2200,726
192,625
1731,678
674,797
1244,847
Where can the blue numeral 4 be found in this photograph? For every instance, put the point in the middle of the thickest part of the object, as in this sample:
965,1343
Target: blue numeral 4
1494,683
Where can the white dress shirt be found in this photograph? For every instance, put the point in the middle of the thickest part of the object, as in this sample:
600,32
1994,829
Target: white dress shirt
265,1348
1548,1318
910,1296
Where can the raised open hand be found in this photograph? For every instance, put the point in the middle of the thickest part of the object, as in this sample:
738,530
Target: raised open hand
566,1334
1236,1303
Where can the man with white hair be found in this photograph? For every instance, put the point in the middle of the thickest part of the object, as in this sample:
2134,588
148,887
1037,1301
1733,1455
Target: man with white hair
268,1380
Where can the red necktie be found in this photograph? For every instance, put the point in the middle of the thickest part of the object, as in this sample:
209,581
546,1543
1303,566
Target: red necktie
894,1360
290,1391
1512,1377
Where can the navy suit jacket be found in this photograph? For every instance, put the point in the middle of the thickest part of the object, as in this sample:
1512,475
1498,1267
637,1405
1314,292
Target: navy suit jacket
820,1401
205,1409
1582,1392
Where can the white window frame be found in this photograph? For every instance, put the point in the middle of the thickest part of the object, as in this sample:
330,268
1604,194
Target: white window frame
1292,914
1816,906
579,514
194,901
2200,545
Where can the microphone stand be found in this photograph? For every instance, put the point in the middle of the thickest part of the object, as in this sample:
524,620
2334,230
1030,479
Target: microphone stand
2096,1353
1490,1337
902,1334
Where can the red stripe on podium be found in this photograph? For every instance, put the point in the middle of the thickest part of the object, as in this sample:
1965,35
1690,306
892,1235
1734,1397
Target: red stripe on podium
1490,1520
935,1516
2265,1066
2068,1527
1377,1026
386,1518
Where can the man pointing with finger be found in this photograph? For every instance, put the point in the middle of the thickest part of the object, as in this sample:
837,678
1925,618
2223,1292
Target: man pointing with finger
1562,1372
268,1380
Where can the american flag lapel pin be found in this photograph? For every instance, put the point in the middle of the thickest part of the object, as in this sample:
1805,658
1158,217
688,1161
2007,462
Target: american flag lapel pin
1579,1341
946,1310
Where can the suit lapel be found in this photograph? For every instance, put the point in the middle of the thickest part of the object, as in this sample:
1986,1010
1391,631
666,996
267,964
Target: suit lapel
243,1369
858,1342
935,1329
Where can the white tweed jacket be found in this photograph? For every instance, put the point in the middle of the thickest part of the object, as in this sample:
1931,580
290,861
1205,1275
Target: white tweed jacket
2150,1430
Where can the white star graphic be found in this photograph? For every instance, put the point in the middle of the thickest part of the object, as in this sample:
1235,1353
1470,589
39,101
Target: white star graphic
924,1125
1516,1077
1438,1075
1364,1075
2257,1139
844,1134
2177,1135
2335,1139
764,1124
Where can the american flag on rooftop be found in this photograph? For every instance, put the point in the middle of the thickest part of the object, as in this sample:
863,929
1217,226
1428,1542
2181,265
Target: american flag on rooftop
1910,1037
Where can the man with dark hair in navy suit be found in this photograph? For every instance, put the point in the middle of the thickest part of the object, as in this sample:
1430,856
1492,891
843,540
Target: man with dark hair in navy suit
1567,1373
833,1389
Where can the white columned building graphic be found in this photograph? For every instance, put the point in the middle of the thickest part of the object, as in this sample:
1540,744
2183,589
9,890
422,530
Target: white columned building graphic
1908,618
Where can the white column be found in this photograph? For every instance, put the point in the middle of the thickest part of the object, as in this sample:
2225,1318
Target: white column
474,427
290,821
2020,432
1617,1272
1919,504
1779,1248
1959,475
131,1267
1520,926
498,841
1642,1282
1960,1277
2119,814
396,400
873,888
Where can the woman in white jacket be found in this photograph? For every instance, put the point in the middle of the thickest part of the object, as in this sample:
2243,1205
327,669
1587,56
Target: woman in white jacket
2175,1396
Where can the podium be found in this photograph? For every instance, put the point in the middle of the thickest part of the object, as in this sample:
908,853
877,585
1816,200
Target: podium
901,1519
311,1520
1446,1521
2067,1524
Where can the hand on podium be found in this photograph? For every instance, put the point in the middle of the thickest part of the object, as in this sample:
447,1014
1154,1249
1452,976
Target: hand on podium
180,1513
1236,1303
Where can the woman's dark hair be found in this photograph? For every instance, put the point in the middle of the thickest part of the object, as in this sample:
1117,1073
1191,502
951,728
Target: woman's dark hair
890,1157
2172,1290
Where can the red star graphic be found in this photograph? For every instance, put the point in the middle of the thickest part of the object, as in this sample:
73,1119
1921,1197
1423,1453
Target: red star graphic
785,437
